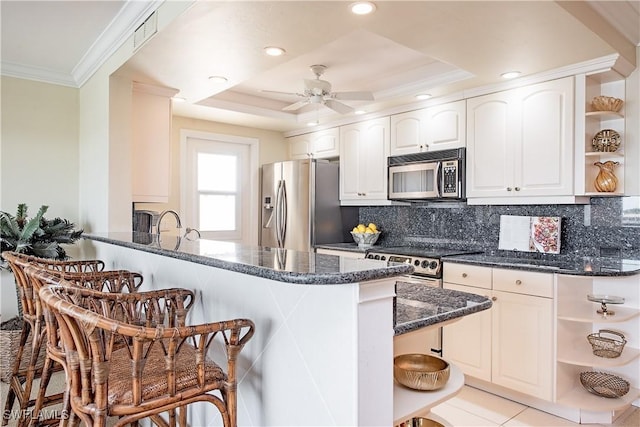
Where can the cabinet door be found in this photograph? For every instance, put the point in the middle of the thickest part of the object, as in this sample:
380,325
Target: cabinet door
299,146
325,144
522,350
491,137
446,126
374,151
408,133
364,148
151,143
467,342
545,157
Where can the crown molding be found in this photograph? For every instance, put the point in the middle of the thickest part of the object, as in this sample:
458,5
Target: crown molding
132,14
119,30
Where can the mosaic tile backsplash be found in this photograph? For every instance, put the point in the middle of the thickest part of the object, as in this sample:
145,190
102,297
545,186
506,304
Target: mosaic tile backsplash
609,226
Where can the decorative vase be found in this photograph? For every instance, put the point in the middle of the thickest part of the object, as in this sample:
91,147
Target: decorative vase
606,181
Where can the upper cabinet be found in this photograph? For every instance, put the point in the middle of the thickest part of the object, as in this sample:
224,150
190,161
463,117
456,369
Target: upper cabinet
364,149
520,146
151,142
435,128
323,144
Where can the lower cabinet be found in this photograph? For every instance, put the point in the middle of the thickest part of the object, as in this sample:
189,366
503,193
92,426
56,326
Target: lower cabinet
510,345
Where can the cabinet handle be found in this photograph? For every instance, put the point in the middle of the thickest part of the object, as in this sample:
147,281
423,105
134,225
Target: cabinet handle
464,274
517,188
494,298
518,282
509,188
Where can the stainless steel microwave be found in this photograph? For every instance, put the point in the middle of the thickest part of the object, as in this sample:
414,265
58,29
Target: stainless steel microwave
435,175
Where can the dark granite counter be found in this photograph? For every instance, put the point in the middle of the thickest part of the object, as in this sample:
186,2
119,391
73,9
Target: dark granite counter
282,265
583,266
418,306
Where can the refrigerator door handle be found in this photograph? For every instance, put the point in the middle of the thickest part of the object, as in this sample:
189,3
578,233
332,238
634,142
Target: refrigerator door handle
278,213
283,215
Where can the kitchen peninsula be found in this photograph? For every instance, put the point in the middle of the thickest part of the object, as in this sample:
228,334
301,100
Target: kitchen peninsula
323,349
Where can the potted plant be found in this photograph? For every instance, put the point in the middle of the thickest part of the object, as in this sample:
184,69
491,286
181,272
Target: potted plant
32,236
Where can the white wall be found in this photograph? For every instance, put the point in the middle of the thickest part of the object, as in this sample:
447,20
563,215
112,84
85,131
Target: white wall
631,139
39,157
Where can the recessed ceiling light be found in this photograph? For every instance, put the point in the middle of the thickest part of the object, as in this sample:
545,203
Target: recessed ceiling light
218,79
178,99
359,112
423,96
316,123
510,74
274,51
362,7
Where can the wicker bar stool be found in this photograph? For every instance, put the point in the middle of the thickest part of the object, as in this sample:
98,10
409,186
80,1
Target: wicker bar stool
31,361
146,363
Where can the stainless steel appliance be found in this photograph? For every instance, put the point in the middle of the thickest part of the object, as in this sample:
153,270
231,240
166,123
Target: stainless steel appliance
301,205
427,263
435,175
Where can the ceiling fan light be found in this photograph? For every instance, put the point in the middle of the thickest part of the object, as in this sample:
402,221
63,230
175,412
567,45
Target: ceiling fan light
362,7
510,74
274,51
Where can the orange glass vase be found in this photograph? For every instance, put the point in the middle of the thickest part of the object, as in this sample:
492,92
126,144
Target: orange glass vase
606,181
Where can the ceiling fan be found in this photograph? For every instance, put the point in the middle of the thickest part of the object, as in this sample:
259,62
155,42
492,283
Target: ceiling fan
319,92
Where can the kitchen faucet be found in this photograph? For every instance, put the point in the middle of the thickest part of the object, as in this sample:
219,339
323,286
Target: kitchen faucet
174,213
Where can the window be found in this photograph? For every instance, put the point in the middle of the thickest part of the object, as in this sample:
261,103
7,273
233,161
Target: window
217,186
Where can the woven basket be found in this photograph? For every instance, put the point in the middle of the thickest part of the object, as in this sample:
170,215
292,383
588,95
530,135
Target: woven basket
606,347
9,345
605,385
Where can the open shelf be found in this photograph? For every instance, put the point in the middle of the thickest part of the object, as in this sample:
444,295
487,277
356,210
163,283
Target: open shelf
604,154
605,115
578,314
581,398
579,352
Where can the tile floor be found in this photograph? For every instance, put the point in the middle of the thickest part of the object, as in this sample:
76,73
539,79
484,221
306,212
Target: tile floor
475,408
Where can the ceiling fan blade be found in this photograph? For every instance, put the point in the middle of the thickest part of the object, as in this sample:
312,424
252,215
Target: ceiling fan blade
338,106
283,93
353,96
296,106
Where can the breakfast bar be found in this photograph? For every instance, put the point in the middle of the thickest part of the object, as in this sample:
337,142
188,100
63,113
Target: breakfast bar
325,325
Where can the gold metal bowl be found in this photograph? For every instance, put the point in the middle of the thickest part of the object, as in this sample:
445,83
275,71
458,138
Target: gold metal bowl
420,422
421,371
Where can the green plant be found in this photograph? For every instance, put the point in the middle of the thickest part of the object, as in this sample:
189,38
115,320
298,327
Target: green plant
35,236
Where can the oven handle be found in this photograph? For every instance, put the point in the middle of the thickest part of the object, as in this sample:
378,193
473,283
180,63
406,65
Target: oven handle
421,281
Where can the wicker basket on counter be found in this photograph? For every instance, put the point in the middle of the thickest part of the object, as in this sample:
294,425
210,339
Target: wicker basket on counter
605,346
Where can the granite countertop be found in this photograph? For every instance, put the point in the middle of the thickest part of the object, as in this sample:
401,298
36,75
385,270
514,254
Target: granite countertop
579,266
348,247
283,265
419,305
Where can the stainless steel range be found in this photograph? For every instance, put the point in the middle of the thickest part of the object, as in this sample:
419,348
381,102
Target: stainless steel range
427,263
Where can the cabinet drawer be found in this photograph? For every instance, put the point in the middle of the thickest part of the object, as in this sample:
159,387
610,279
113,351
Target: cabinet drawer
523,282
470,275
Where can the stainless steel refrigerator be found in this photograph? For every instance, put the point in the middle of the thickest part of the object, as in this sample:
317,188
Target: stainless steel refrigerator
301,205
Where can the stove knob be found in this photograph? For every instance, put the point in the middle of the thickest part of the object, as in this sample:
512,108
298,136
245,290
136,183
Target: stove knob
383,258
433,265
416,263
425,264
369,256
377,257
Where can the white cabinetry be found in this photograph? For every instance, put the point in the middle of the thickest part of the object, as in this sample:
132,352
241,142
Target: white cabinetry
318,145
435,128
151,142
520,145
510,345
576,319
607,84
364,149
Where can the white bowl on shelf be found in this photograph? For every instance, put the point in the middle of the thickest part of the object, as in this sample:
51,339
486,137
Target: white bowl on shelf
365,240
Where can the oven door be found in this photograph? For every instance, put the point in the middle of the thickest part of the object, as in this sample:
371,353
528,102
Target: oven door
414,181
425,340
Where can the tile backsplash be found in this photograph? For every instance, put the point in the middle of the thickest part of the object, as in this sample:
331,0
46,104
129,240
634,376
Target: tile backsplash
609,226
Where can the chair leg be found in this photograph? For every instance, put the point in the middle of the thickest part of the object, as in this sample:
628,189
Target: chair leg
14,381
182,414
44,383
